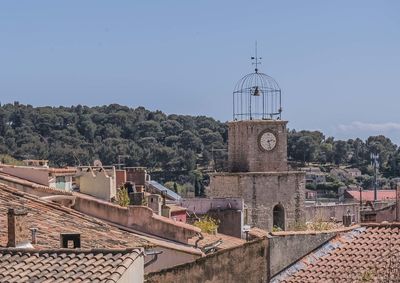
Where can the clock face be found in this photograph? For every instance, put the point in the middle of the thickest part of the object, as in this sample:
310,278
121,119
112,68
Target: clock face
267,141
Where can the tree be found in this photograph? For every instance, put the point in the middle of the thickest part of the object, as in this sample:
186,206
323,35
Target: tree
190,141
171,127
382,146
303,146
340,149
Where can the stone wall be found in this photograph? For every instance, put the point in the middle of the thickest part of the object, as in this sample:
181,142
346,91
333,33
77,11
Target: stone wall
203,205
97,182
246,263
136,175
328,211
261,193
387,213
230,221
245,153
382,212
229,211
140,218
170,256
286,248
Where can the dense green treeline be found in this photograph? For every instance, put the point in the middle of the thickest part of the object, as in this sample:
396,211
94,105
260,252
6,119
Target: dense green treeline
170,143
312,146
80,134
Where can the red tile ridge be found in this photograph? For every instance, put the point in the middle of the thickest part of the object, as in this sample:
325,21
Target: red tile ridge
139,250
382,224
176,208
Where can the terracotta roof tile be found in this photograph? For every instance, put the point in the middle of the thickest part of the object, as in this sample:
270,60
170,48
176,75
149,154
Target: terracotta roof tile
366,253
51,219
368,195
258,232
63,268
226,241
176,208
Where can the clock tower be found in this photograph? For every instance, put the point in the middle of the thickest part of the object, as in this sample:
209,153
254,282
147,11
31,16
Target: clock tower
257,157
257,146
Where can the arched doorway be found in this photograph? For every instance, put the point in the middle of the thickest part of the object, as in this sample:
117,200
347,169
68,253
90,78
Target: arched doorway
279,217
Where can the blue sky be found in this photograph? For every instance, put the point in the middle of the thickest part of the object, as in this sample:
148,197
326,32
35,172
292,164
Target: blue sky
337,62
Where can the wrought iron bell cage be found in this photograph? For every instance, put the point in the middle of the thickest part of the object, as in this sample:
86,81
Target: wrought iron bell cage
257,96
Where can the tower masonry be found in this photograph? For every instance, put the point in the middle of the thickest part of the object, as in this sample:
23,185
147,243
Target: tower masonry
257,146
257,157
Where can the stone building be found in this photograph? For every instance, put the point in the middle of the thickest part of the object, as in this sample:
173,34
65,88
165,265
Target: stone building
257,157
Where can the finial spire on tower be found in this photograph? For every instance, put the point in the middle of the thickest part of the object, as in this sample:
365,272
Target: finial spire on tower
256,59
257,95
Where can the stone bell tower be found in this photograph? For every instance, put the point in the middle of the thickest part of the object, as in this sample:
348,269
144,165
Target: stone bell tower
257,157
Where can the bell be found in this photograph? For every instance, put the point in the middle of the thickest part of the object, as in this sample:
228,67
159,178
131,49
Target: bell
256,92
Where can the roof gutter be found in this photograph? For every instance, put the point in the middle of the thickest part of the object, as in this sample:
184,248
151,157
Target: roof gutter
153,253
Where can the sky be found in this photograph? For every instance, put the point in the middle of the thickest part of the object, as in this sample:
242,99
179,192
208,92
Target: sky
337,62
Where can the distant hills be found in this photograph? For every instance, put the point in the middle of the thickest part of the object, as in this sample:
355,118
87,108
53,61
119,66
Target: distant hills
176,143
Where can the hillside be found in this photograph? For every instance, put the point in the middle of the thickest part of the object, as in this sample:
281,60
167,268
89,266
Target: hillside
78,135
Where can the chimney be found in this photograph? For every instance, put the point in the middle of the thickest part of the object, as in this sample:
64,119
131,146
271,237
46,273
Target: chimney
33,233
163,195
136,198
18,235
153,201
74,238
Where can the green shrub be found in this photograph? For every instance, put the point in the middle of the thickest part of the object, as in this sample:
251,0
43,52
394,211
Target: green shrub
207,224
276,229
123,197
7,159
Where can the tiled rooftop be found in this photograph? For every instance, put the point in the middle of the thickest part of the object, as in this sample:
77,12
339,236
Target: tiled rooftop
226,241
258,232
51,219
63,265
6,178
61,171
176,208
46,191
367,254
368,195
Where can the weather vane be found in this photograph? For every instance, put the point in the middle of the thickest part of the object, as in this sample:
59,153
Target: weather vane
255,59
